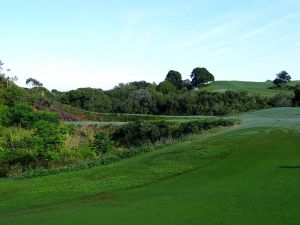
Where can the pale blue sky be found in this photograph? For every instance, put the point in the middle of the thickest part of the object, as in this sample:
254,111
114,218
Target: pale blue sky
68,44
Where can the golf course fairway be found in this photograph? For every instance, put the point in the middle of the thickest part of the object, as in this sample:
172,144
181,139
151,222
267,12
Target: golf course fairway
248,174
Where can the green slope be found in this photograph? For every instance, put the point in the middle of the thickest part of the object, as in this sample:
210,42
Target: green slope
248,174
252,87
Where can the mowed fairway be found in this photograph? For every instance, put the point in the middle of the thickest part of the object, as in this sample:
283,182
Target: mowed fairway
247,175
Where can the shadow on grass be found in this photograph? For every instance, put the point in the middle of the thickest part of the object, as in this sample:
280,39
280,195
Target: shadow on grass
289,167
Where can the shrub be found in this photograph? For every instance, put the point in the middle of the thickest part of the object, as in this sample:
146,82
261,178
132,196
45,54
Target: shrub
24,116
102,142
50,138
150,132
281,100
4,115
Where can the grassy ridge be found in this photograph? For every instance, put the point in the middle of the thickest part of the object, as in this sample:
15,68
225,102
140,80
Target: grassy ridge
260,88
245,175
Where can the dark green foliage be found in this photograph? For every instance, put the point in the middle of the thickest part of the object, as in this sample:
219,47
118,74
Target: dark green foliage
187,84
198,126
281,100
24,116
282,79
175,78
149,132
168,101
4,115
213,103
201,76
296,99
13,95
140,85
141,133
140,101
166,87
33,82
88,99
102,142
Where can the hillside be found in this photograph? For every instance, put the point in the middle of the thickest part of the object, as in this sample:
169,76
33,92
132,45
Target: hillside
260,88
246,175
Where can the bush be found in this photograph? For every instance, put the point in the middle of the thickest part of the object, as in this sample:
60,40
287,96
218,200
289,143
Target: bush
102,142
150,132
48,140
4,115
281,100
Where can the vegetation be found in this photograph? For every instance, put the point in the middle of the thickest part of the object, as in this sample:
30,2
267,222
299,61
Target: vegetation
266,89
105,129
201,76
33,82
282,79
244,175
164,101
296,99
175,78
141,133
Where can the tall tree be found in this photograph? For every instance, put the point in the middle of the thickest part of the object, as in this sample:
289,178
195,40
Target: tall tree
33,82
175,78
166,87
282,78
201,76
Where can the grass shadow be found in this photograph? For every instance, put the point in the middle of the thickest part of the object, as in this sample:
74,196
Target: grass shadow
289,167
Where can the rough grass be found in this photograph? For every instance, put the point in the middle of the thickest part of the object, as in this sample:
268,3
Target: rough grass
246,175
135,117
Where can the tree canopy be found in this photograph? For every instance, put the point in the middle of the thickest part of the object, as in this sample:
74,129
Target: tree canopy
33,82
175,78
201,76
282,79
166,87
296,98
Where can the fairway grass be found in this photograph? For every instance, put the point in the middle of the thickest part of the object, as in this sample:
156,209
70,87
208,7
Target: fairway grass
244,175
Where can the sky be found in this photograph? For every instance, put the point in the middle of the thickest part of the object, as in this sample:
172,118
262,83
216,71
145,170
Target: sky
68,44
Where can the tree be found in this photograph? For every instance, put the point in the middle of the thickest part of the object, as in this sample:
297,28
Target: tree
201,76
1,69
282,78
187,84
33,82
296,99
175,78
140,101
166,87
89,99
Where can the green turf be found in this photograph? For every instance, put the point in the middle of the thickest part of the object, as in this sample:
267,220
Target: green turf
248,174
260,88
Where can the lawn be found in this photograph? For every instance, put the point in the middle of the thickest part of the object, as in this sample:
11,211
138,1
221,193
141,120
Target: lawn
248,174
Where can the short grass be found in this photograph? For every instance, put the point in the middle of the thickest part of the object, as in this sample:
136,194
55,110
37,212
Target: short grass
248,174
261,88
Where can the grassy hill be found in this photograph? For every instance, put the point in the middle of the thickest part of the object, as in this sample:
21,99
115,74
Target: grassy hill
261,88
247,174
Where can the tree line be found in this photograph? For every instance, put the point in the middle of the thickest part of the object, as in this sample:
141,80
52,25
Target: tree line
173,96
